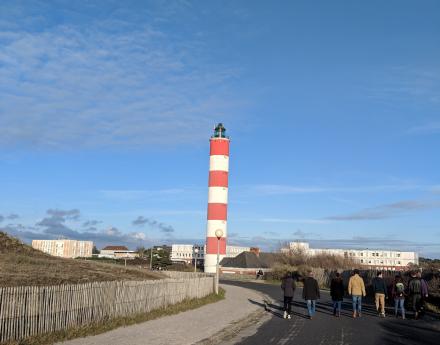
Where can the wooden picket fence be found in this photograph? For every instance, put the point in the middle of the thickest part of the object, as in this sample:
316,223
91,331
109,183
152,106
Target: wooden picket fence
33,310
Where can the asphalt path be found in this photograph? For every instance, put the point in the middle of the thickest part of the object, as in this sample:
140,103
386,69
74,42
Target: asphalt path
326,329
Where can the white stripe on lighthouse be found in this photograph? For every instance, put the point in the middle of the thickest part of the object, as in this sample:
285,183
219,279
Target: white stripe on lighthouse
213,225
219,163
218,195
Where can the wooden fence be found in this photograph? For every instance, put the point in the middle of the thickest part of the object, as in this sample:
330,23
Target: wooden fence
32,310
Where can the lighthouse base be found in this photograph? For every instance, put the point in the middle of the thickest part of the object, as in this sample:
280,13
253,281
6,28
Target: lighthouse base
211,262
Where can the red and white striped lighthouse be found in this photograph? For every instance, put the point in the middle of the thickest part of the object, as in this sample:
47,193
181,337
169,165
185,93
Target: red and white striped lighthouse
217,198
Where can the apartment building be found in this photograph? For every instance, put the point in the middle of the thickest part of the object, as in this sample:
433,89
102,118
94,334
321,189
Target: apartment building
188,252
117,252
372,258
64,248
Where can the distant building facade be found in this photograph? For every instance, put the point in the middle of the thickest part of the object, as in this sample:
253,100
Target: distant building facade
372,258
187,253
117,252
64,248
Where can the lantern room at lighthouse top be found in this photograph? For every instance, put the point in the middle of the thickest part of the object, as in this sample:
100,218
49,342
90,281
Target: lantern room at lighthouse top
220,132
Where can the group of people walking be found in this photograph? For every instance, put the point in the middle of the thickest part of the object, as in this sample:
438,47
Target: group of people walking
416,290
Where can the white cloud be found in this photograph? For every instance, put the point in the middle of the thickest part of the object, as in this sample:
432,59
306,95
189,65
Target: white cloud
428,128
125,195
294,221
108,84
275,189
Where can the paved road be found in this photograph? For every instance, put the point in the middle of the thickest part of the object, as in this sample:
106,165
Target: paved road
327,329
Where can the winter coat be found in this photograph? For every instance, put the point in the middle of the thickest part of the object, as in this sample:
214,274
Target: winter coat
337,289
310,289
379,286
424,287
288,285
395,293
415,287
356,286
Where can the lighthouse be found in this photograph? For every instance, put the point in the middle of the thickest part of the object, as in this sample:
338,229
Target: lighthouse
216,229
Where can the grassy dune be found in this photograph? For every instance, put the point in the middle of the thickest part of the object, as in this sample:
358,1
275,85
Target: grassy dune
20,264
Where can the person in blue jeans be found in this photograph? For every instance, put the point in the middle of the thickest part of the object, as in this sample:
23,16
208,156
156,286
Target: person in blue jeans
356,288
398,293
337,293
311,293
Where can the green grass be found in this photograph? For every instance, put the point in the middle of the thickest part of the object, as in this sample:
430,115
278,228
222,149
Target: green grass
108,325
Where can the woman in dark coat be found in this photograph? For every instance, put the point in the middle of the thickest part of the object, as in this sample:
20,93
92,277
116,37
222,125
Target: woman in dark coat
288,286
337,293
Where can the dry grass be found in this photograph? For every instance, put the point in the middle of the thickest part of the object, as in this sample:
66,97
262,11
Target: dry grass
102,327
325,261
20,264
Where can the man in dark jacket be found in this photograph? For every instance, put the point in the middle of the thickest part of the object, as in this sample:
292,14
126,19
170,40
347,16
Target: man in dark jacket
288,286
337,293
380,293
415,293
311,293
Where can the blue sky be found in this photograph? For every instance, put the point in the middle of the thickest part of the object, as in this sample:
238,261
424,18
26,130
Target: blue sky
333,109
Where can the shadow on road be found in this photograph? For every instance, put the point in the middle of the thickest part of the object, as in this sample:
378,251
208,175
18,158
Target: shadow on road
411,331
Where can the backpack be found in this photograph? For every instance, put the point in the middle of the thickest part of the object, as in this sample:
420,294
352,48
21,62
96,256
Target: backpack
400,288
415,287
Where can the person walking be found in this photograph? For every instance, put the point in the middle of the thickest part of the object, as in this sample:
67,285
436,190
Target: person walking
288,286
415,293
398,293
311,293
425,293
356,288
337,293
380,293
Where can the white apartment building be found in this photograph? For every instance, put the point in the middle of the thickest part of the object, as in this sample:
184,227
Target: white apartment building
373,258
188,252
64,248
117,252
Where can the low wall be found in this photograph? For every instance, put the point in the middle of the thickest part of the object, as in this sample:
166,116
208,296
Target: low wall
33,310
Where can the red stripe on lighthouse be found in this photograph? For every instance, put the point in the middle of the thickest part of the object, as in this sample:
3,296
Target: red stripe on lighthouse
211,245
217,211
218,179
219,147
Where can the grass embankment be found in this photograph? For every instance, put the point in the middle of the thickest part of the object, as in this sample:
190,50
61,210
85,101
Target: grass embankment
105,326
21,265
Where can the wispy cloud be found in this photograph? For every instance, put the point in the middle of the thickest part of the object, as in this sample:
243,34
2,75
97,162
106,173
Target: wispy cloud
275,189
125,195
112,82
141,221
10,216
293,221
403,83
387,211
428,128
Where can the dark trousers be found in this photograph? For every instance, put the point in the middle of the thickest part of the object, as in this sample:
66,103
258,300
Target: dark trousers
416,303
288,304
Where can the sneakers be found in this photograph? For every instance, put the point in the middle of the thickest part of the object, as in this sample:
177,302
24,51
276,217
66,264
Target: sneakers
285,315
289,317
